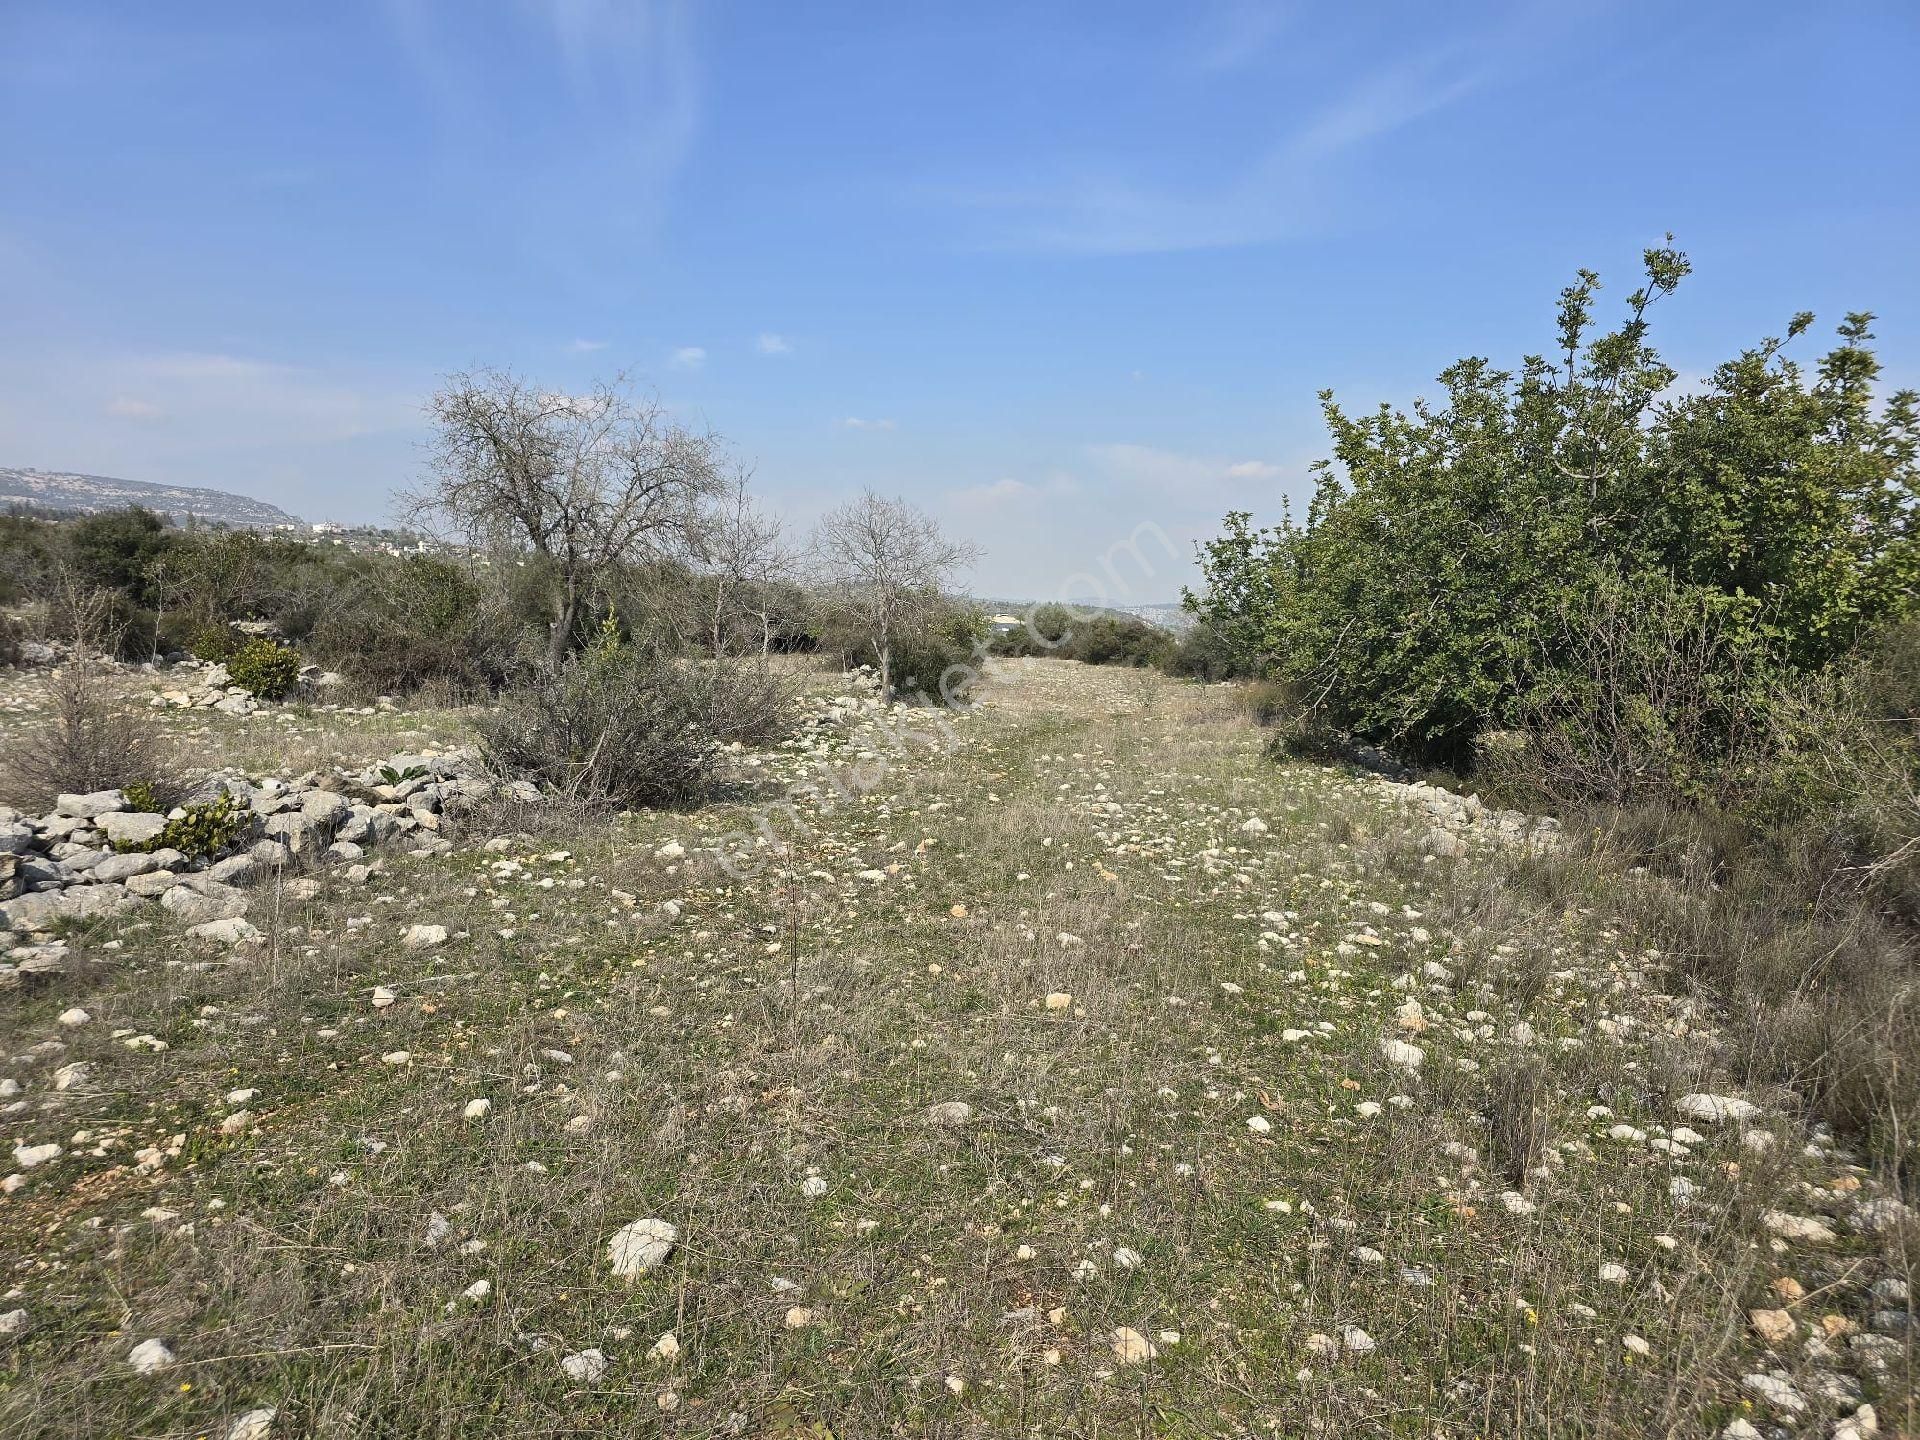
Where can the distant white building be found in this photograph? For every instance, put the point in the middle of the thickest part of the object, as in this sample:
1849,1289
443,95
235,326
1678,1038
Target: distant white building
327,527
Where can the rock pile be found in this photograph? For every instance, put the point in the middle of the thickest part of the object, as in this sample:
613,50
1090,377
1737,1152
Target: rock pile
1452,821
196,685
85,859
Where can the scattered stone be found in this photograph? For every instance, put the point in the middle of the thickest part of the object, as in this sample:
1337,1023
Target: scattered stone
641,1246
149,1356
585,1366
1775,1389
1130,1347
231,931
424,937
1775,1327
1797,1227
1716,1109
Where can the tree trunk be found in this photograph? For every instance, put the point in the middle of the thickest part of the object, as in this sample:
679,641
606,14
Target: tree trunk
561,638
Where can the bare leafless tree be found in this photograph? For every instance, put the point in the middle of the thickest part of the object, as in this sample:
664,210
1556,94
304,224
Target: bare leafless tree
886,566
741,555
585,482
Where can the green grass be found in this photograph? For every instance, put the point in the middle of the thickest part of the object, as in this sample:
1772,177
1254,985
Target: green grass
801,1023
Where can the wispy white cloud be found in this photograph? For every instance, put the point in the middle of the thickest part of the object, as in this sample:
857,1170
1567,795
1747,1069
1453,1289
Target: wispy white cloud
854,422
126,407
769,343
1152,468
688,357
584,347
1236,33
1287,184
627,124
994,492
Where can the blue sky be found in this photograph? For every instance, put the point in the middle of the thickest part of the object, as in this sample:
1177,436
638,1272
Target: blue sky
1054,272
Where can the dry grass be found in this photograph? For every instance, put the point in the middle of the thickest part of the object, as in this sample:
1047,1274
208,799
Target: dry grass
1084,838
87,739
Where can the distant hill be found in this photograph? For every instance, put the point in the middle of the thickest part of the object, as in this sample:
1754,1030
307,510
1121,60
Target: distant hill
89,494
1168,617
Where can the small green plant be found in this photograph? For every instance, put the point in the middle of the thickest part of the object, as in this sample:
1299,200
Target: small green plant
144,796
265,668
390,776
202,830
212,642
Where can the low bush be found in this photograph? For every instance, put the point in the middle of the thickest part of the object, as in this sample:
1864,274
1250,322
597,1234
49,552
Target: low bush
421,622
1785,856
613,727
265,668
88,741
940,664
213,641
202,830
743,700
1269,703
1205,653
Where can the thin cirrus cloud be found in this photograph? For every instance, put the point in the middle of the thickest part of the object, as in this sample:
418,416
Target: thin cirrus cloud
854,422
629,119
1153,468
1289,187
769,343
688,357
994,492
587,347
1051,486
128,407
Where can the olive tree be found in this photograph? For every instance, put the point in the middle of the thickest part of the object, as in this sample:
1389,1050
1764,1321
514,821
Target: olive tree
885,566
585,483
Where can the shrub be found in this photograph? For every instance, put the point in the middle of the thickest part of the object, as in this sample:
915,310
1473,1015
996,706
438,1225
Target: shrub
87,742
939,664
1119,640
1045,631
420,621
1272,702
203,830
613,727
119,549
213,641
265,668
1205,653
741,699
1654,692
1425,592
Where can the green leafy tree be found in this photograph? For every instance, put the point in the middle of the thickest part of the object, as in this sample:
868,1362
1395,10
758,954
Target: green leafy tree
1425,597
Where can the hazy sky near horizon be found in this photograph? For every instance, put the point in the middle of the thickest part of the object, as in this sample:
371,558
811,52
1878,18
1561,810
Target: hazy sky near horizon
1053,272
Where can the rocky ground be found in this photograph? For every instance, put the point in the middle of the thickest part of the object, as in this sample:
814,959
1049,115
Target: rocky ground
1062,1067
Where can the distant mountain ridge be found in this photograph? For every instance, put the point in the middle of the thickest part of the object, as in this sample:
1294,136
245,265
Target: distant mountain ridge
90,494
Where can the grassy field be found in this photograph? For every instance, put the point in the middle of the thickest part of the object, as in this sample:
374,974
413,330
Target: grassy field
1066,1069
